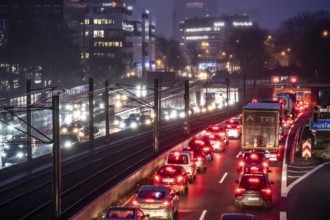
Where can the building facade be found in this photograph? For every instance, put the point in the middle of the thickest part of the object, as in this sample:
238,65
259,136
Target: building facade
186,9
205,39
115,32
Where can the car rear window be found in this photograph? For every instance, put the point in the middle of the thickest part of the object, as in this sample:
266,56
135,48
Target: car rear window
151,195
253,182
177,159
169,171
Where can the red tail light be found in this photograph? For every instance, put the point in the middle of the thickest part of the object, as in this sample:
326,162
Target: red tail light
241,163
265,164
239,191
156,178
199,158
222,134
135,203
206,149
165,204
267,191
179,179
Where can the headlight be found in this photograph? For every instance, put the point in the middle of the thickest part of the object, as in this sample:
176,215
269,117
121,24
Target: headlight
182,114
6,147
134,125
3,154
20,155
75,130
64,130
67,144
148,122
122,125
116,122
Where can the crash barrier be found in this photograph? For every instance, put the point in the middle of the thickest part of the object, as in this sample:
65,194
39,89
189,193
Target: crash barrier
112,195
297,142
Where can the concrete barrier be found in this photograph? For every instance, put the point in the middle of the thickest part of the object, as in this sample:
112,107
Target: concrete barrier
100,204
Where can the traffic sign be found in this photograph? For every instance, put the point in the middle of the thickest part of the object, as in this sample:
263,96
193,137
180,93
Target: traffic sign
320,125
307,148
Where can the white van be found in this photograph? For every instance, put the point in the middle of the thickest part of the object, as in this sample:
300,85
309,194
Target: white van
186,159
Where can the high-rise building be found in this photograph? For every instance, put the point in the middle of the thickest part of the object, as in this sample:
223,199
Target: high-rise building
117,32
192,8
205,38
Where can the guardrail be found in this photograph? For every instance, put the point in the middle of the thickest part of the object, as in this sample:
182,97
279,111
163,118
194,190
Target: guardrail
100,204
297,142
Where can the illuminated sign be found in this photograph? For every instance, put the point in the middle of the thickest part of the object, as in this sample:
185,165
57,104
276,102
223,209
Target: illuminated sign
112,4
245,23
219,24
197,37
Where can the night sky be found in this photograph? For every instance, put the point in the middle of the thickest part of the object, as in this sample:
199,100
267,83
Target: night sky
267,13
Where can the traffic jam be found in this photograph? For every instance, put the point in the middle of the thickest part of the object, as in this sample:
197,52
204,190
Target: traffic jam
250,144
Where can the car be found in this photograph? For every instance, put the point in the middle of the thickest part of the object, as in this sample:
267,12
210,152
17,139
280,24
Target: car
146,120
157,201
233,128
173,176
254,158
186,159
135,116
253,190
237,216
122,212
84,133
67,141
218,130
204,144
200,158
217,142
15,150
287,121
129,123
252,168
115,120
74,127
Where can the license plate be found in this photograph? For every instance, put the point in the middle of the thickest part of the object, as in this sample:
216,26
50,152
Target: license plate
168,180
253,199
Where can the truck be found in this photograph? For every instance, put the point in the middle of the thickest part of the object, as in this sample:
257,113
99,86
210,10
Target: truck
261,128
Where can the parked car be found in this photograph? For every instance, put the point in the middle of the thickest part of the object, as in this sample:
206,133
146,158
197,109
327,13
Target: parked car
157,201
173,176
121,212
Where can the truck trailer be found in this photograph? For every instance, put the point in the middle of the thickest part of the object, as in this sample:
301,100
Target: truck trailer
261,128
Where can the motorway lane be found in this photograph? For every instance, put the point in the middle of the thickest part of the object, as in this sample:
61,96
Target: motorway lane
212,193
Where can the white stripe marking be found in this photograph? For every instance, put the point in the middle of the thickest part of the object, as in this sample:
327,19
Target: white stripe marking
203,215
307,167
282,215
223,177
302,171
284,167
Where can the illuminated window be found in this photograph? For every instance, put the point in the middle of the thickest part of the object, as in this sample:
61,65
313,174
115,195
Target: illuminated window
197,37
195,5
104,21
98,33
86,21
198,29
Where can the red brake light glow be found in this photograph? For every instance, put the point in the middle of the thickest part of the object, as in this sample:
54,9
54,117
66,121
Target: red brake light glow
267,191
165,204
215,128
136,203
150,200
253,180
254,156
157,178
239,190
179,179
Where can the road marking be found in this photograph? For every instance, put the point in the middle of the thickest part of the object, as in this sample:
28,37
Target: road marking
223,177
203,215
300,171
287,190
282,215
300,167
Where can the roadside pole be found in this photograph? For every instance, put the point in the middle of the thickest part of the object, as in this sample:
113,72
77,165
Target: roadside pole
186,123
28,120
57,184
106,108
91,113
156,119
